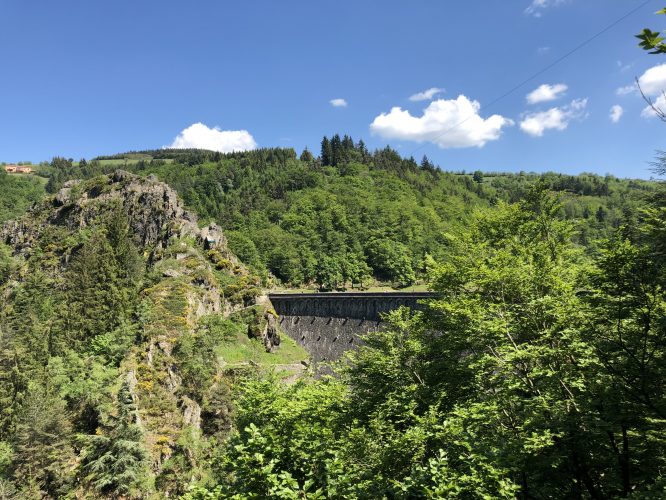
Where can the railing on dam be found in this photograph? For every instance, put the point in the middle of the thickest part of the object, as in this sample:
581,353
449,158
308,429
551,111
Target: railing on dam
353,305
328,324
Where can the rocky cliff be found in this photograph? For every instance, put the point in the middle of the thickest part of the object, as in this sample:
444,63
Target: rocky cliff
154,213
177,378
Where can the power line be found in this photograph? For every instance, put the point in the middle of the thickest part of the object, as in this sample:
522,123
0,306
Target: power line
542,71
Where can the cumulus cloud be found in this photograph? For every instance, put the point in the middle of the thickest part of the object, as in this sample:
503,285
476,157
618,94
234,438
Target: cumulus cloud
659,103
426,95
200,136
537,7
653,82
338,103
545,93
616,113
453,123
653,85
535,124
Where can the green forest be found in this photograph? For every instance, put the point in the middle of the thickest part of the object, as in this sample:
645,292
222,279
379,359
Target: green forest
134,361
18,193
544,380
214,320
350,218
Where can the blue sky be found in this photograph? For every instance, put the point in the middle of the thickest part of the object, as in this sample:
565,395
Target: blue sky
82,78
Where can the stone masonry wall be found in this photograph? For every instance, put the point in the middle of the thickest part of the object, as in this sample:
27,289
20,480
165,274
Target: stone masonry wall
328,324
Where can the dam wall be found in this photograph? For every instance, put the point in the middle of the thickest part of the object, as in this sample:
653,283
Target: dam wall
328,324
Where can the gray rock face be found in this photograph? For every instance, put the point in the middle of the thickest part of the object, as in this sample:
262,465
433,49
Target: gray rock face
154,213
18,235
212,236
64,195
271,336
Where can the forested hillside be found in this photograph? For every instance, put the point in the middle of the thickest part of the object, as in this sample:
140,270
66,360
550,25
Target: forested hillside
538,372
122,328
138,359
348,216
17,193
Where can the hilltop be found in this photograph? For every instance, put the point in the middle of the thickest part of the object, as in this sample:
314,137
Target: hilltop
350,217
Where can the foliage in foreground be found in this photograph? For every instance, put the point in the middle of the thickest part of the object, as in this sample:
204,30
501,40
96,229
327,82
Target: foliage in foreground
537,373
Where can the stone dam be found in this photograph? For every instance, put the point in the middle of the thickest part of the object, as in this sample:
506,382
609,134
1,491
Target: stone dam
328,324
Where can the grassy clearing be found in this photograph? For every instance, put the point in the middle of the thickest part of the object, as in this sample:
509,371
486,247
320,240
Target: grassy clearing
242,350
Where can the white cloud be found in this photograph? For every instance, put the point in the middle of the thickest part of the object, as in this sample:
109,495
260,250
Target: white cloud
200,136
542,51
616,113
623,67
660,103
537,6
627,89
338,103
653,82
535,124
545,93
426,95
453,123
653,85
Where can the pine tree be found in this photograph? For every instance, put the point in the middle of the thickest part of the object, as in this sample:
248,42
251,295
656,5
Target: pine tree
306,156
115,461
42,442
360,147
7,264
336,150
326,152
347,143
13,384
94,292
103,282
127,257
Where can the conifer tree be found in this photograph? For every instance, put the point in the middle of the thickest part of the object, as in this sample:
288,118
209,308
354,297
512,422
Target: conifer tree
326,152
115,462
360,147
7,263
94,290
306,156
103,284
336,150
43,452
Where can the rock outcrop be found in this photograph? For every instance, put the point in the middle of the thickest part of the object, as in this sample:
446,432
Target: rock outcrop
154,213
196,276
194,299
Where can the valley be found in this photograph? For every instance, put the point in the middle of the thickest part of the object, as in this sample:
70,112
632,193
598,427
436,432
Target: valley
195,309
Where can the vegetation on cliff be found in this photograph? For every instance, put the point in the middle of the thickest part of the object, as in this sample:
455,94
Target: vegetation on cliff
17,193
119,336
